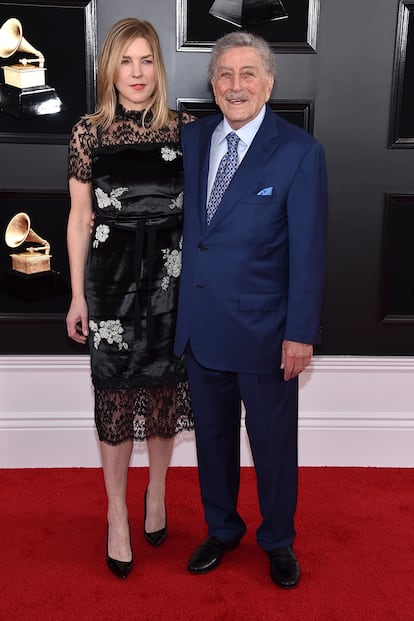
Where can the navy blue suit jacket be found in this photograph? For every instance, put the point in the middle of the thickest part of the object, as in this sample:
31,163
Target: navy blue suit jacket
255,275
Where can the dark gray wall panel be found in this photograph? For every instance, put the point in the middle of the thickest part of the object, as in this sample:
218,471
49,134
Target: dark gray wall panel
349,79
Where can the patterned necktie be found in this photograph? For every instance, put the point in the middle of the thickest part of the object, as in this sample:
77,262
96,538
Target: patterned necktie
225,172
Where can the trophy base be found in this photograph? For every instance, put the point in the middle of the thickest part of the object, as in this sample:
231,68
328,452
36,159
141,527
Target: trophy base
31,287
24,77
30,262
25,103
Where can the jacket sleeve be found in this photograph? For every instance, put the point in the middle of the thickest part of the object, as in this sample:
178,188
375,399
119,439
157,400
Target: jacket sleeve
306,209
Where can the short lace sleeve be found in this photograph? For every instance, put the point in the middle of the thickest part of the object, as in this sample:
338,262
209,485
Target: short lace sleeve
82,142
188,118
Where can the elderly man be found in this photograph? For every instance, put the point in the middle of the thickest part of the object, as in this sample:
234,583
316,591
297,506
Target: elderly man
250,300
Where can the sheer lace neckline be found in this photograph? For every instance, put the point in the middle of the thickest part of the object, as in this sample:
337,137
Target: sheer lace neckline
126,129
134,115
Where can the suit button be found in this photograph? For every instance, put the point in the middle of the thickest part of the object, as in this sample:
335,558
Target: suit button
202,248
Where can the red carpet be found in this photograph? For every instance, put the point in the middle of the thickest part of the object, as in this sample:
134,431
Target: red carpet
355,544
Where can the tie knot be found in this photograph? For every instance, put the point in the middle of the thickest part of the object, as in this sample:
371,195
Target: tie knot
232,141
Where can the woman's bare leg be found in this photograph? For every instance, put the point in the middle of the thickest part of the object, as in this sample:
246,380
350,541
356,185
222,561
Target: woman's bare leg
115,462
159,456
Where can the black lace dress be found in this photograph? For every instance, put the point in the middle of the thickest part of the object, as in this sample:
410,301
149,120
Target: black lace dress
132,274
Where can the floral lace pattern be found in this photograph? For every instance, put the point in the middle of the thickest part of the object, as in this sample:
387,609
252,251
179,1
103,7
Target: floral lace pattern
141,413
169,154
172,263
107,200
127,128
110,331
101,234
178,202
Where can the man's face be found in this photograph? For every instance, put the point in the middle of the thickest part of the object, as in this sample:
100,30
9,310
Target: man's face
241,86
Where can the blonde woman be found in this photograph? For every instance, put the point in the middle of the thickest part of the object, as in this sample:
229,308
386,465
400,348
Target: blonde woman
125,167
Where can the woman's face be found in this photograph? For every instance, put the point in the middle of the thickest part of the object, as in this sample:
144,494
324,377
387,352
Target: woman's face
135,78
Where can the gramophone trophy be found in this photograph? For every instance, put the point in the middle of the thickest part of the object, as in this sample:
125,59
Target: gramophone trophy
247,13
33,259
30,278
24,93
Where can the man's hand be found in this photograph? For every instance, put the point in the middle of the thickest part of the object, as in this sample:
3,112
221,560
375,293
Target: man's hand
295,358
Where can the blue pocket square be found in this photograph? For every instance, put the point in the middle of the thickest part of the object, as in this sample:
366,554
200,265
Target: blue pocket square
266,191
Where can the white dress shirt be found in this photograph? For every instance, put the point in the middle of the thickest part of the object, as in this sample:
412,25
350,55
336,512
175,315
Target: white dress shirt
218,146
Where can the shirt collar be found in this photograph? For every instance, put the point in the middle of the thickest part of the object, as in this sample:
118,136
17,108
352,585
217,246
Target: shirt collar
245,133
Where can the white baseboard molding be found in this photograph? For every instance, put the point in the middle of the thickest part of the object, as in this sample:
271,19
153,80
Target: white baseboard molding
353,411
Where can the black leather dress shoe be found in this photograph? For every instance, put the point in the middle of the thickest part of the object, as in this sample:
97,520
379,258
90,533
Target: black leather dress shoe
209,554
284,567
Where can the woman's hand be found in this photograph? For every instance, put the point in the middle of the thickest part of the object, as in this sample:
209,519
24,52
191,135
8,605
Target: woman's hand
77,320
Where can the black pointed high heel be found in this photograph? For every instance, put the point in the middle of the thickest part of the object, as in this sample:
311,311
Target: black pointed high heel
121,569
158,536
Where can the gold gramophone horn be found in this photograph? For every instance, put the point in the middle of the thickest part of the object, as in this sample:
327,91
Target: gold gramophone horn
12,40
18,231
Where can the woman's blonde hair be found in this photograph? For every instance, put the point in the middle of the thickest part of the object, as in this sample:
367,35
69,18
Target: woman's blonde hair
121,35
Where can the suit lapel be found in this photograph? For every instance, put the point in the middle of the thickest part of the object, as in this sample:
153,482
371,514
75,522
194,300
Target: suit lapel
262,148
205,145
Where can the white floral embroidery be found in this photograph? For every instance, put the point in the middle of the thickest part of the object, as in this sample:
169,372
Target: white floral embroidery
106,200
177,203
169,154
101,234
110,331
172,262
